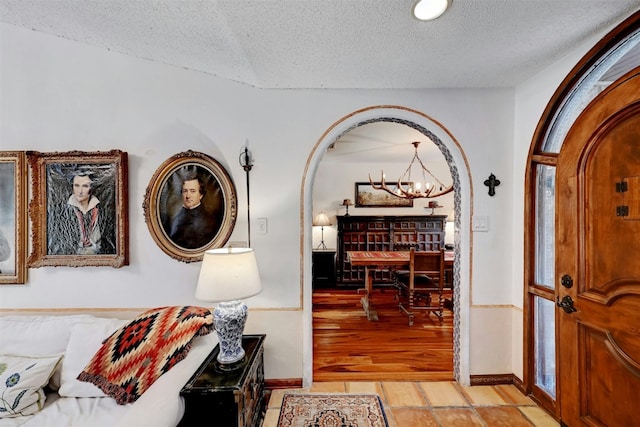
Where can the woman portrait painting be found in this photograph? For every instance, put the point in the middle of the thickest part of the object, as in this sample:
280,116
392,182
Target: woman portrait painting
81,217
7,218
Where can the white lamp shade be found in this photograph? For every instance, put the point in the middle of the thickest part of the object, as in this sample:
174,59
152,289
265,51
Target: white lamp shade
321,220
228,274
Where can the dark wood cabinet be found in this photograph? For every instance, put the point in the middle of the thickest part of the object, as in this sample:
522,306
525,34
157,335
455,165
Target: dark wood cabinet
384,233
218,396
323,269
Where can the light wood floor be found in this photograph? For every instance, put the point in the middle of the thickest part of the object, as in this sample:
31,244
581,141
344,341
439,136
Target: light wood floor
409,367
435,404
348,347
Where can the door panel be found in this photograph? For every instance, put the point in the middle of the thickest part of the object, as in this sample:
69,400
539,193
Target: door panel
604,399
598,245
613,160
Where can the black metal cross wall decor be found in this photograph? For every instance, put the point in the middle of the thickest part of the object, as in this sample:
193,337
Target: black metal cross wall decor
492,183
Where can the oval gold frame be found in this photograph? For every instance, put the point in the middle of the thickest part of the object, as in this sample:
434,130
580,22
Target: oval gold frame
161,195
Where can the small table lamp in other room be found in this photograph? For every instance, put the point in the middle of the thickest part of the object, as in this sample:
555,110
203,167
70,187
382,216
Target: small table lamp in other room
346,203
321,220
228,275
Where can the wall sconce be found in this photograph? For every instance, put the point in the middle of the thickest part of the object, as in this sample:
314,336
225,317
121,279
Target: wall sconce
246,161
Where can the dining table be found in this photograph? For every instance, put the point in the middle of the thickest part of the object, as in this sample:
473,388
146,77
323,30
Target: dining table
381,260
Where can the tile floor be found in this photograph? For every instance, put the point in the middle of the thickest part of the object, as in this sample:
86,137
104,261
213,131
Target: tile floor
438,404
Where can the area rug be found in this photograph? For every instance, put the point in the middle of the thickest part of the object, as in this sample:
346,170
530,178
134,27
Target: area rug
332,410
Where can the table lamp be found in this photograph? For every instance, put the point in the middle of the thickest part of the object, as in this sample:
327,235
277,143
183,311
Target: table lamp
228,275
321,220
346,203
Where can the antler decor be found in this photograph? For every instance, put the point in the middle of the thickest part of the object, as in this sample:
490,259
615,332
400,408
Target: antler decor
407,189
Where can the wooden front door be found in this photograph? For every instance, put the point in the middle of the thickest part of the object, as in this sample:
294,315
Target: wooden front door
598,261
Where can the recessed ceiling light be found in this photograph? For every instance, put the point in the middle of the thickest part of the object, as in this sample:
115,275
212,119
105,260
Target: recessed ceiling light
426,10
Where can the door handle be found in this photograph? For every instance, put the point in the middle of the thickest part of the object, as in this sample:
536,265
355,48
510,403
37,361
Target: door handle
566,304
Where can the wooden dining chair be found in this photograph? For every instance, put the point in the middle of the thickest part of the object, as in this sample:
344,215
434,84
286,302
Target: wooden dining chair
421,288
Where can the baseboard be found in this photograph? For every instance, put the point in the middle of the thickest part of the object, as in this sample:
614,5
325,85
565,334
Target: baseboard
276,384
496,380
283,383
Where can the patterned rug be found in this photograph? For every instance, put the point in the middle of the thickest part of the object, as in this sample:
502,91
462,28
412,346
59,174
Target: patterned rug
332,410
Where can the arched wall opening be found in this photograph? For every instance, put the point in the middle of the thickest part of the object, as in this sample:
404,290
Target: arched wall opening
463,207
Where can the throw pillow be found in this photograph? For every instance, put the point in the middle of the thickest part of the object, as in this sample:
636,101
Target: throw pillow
38,335
85,340
21,382
139,352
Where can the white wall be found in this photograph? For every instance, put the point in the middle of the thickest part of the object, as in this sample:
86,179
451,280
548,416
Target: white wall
58,95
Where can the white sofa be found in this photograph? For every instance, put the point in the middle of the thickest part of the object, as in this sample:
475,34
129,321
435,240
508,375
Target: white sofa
64,345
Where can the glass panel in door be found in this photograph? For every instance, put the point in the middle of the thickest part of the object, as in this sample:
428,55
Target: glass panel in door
545,211
545,345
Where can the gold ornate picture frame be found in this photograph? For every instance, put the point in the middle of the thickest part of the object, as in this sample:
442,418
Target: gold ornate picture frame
190,206
13,217
79,209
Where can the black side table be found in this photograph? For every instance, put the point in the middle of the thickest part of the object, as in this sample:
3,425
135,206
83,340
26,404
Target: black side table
219,396
323,269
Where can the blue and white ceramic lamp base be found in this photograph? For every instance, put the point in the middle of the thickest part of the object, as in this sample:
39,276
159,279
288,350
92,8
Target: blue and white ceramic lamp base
230,318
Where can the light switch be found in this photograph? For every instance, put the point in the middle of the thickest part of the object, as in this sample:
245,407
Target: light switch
262,225
480,223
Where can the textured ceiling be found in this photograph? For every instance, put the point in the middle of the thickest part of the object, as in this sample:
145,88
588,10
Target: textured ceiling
331,43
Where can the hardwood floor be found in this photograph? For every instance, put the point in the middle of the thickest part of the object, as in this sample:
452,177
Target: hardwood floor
348,347
434,404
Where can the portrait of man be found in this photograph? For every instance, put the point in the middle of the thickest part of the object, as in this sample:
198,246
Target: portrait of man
81,209
193,207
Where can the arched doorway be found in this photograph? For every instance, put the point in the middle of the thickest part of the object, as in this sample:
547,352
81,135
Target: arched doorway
456,160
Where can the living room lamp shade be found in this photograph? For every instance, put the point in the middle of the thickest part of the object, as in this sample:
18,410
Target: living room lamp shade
228,275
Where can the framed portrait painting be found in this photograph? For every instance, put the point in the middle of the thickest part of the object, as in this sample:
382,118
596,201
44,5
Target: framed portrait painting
369,197
79,210
13,217
190,205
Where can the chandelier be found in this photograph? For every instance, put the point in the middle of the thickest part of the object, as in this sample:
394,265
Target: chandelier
408,188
